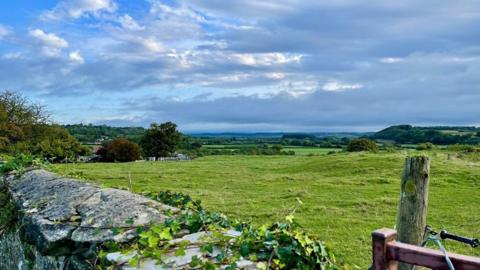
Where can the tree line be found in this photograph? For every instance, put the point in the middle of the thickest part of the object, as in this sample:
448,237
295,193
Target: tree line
26,128
444,135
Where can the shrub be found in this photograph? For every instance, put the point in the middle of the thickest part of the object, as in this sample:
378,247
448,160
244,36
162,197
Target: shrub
463,148
426,146
362,144
119,150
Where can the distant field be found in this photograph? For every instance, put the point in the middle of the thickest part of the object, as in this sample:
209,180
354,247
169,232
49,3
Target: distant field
345,196
299,150
303,151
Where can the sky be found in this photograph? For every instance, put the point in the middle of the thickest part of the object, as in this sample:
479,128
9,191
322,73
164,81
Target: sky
246,65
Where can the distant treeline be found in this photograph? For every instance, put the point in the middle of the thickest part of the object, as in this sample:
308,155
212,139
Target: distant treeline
443,135
95,133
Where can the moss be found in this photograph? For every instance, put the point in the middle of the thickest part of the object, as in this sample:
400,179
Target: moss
8,211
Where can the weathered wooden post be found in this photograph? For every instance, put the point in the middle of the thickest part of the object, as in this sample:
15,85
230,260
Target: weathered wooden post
412,213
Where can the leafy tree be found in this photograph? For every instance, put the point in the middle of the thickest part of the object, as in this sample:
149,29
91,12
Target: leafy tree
161,140
25,128
120,150
56,143
362,144
426,146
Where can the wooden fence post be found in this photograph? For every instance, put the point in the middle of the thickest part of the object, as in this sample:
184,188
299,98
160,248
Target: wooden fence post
380,239
412,213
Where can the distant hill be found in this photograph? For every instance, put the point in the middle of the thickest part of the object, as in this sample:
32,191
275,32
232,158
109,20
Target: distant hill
406,134
89,134
280,134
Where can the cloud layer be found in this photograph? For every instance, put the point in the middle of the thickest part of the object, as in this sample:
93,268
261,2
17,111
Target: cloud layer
250,65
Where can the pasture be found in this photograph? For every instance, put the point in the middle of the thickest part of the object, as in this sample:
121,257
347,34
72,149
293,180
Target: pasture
345,195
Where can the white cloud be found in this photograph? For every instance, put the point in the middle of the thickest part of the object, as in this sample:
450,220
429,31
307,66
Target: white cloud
391,60
128,22
4,31
76,57
266,59
152,45
275,75
51,43
12,55
78,8
338,86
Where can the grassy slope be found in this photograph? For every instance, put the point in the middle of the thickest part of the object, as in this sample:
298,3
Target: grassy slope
346,196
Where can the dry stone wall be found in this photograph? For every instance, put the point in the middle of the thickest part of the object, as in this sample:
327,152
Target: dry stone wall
62,220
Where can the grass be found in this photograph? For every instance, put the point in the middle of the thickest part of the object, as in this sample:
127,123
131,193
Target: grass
304,151
345,196
299,150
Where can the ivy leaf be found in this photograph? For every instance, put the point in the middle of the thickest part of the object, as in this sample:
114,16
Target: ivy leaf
153,241
209,266
134,261
221,256
165,234
232,266
207,248
180,251
195,262
244,250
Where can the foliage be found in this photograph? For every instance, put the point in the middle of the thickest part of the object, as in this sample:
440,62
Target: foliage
281,245
21,162
407,134
463,148
8,211
362,144
426,146
25,128
89,134
55,143
239,150
119,150
161,140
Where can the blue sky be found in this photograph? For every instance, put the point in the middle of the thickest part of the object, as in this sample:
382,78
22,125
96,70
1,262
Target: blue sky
246,65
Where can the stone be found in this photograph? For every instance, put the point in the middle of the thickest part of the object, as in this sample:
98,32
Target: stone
61,214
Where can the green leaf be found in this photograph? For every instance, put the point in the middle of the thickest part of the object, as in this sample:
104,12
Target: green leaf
134,261
244,250
165,234
180,251
209,266
207,248
232,266
195,261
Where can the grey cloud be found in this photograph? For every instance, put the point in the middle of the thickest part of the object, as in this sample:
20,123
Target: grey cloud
227,46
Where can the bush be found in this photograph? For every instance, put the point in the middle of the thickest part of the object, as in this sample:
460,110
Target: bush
119,150
426,146
362,144
463,148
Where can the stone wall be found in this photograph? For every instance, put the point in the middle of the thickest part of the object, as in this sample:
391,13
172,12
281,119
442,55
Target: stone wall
62,221
65,218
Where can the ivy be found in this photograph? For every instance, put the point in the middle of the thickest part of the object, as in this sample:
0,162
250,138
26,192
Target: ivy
281,245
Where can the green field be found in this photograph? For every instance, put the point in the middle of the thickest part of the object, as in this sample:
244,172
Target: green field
299,150
345,196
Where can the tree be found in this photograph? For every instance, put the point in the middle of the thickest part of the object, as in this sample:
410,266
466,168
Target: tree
161,140
25,128
56,143
362,144
119,150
